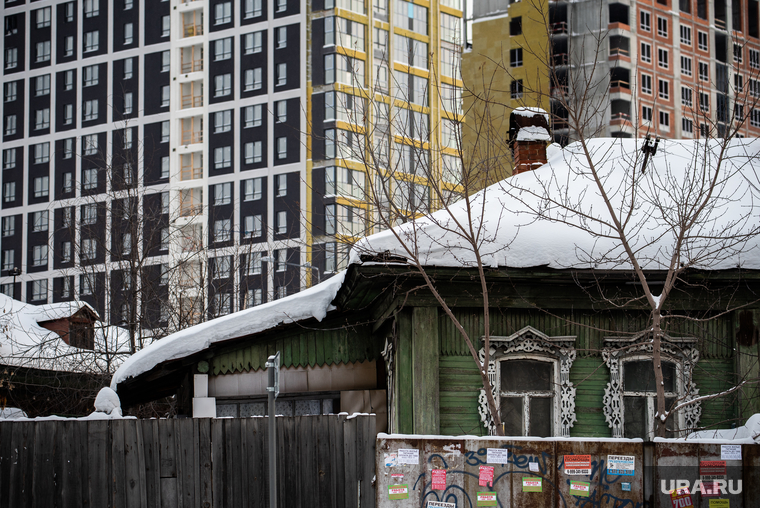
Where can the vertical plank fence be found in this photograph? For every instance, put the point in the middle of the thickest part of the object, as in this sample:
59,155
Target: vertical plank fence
322,461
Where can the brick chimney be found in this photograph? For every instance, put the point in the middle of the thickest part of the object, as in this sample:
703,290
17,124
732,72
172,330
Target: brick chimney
528,135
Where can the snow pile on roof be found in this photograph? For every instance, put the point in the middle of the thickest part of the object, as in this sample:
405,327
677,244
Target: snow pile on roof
530,112
533,133
750,430
314,302
12,413
555,215
25,343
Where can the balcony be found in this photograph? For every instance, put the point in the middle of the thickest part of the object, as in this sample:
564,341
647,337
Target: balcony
192,101
560,59
192,130
192,24
191,167
559,28
620,86
192,137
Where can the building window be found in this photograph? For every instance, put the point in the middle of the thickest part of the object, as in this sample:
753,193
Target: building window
280,260
754,117
222,157
41,153
253,115
166,61
282,148
40,255
329,68
68,114
687,95
663,59
166,26
41,186
253,152
91,8
754,58
43,51
663,89
281,222
282,37
646,52
686,66
9,192
282,5
40,221
662,27
282,74
67,215
223,13
10,125
645,19
69,12
39,289
516,89
222,304
68,148
42,86
89,214
329,144
11,91
252,189
686,35
43,17
68,46
704,71
90,110
223,121
90,75
704,101
222,266
253,297
9,226
222,194
65,287
222,230
252,227
128,36
702,40
165,131
165,166
9,158
42,119
253,42
516,57
281,185
252,8
8,259
11,58
223,85
223,49
68,183
90,142
68,80
89,249
665,120
165,96
91,41
128,5
128,103
738,83
86,284
89,179
128,68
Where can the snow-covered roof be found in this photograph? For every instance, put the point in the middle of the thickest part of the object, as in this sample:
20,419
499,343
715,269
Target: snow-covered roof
533,133
513,234
530,112
520,228
25,343
314,302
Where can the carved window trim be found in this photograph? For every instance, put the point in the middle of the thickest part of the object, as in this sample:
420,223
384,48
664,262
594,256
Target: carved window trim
529,343
680,351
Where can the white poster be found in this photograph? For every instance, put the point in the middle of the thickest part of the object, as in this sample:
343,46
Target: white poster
497,456
408,456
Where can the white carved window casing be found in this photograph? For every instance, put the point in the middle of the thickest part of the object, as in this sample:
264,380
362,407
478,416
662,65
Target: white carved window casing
630,398
530,377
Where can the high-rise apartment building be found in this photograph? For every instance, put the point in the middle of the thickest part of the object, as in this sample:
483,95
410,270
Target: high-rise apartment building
672,68
168,160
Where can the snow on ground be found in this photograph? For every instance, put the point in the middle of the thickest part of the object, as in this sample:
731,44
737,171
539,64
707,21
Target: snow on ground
749,431
25,343
314,302
521,228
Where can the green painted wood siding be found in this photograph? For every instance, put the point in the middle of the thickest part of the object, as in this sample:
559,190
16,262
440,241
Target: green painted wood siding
715,376
459,388
716,336
590,377
301,349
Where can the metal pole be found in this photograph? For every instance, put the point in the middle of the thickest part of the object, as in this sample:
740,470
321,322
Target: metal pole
273,364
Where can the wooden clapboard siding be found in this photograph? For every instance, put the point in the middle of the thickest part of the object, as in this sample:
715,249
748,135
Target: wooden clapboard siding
460,385
589,375
303,348
715,376
323,461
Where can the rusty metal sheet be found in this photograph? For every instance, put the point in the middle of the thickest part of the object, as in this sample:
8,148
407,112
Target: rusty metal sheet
676,465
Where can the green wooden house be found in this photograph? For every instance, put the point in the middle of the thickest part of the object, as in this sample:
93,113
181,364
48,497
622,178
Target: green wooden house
570,346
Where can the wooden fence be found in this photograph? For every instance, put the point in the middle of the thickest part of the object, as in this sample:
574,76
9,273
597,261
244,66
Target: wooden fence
322,461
